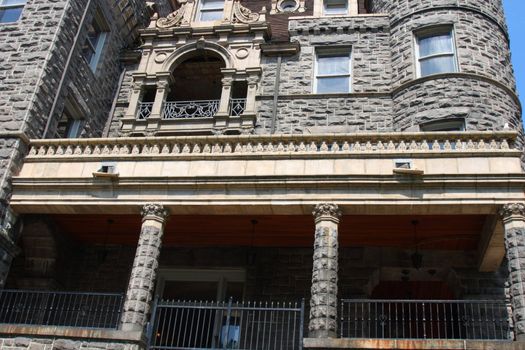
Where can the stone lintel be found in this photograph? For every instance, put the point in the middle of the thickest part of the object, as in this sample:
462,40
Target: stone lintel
72,332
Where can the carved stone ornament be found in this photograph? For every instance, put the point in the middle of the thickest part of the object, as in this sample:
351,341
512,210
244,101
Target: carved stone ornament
153,209
242,14
327,210
512,209
173,19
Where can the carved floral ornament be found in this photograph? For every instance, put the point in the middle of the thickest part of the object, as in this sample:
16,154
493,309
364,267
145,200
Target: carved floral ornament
327,210
241,14
512,210
153,209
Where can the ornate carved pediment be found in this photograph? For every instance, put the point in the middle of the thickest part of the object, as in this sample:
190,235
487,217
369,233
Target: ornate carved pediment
242,14
173,19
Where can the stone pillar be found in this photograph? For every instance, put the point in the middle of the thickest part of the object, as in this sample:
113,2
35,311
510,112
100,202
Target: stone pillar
513,216
226,93
163,84
143,274
323,303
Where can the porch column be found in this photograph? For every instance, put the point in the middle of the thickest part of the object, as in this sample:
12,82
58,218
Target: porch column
144,271
323,303
513,215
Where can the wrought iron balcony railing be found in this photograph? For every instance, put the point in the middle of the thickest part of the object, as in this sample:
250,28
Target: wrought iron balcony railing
66,309
144,110
424,319
226,325
190,109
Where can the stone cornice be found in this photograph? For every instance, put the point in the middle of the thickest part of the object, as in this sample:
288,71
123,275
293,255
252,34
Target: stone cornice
458,144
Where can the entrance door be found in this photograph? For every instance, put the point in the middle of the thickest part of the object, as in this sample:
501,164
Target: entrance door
195,307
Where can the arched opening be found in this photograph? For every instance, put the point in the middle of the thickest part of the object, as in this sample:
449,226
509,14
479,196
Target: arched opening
198,77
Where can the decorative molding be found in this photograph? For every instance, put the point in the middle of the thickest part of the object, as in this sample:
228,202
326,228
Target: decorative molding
512,211
480,144
154,210
326,211
173,19
242,14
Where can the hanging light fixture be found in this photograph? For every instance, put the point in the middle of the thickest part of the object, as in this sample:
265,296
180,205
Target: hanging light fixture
416,257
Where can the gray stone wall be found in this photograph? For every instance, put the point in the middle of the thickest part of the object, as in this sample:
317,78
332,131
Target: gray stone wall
122,101
29,343
367,108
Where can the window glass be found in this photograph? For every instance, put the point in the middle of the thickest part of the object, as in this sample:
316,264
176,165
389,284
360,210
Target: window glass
335,7
436,53
11,10
332,73
211,10
92,48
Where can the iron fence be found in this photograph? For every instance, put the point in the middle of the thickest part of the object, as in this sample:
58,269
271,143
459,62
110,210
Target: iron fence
424,319
68,309
144,111
226,325
237,106
190,109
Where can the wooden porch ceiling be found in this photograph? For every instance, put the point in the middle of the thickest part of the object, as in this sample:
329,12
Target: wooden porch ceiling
444,232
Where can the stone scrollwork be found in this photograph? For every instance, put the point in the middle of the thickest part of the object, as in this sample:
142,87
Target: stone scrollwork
242,14
173,19
329,210
154,209
511,210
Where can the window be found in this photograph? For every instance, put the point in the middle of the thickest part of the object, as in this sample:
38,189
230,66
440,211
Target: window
70,123
94,43
211,10
435,52
335,7
444,125
10,10
332,72
288,5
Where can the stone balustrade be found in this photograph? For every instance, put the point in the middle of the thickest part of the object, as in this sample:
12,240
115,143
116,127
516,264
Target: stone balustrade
345,144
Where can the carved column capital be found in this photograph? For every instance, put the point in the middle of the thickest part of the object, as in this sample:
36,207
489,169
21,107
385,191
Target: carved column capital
154,211
327,212
512,211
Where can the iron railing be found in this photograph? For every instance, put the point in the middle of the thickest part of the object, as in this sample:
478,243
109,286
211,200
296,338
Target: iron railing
190,109
144,111
226,325
424,319
67,309
237,106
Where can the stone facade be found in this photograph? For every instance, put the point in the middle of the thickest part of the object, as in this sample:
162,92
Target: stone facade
30,343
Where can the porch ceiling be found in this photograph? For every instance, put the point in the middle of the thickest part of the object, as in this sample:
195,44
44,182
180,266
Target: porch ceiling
442,232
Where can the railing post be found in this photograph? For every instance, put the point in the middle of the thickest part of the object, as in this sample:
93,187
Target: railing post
152,321
301,328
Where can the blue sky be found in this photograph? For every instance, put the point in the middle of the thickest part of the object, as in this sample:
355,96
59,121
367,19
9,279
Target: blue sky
514,9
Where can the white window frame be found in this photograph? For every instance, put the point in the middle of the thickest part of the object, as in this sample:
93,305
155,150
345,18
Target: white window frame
202,8
98,22
435,31
343,11
20,4
333,52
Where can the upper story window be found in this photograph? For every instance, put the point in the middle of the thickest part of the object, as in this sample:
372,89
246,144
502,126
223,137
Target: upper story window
335,7
71,122
435,51
332,71
211,10
444,125
11,10
94,44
